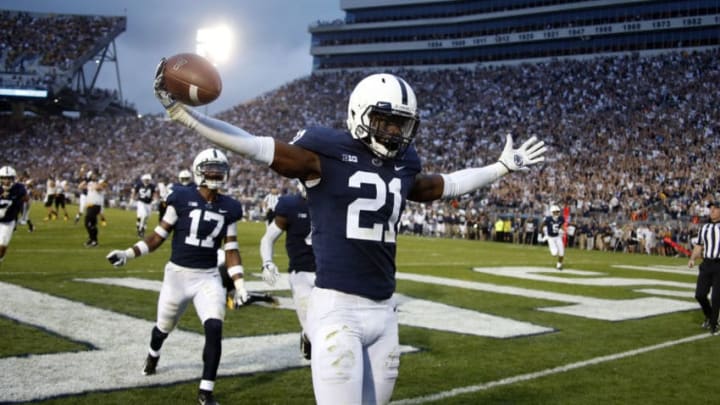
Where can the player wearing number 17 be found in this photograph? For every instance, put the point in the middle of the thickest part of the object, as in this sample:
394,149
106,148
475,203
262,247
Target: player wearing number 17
357,186
200,218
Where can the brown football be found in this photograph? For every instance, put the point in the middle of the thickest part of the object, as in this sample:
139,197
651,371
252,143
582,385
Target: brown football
192,79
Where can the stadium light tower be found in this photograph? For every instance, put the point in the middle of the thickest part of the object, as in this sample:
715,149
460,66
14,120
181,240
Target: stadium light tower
214,43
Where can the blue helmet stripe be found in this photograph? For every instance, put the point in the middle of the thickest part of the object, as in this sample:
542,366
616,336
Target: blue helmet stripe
403,90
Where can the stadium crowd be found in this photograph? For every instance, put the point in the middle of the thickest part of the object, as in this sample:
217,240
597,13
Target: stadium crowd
632,142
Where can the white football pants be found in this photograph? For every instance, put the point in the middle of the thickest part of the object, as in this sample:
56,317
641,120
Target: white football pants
355,349
180,286
301,284
143,211
555,243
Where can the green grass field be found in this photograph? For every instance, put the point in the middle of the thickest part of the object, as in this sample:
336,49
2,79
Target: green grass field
581,360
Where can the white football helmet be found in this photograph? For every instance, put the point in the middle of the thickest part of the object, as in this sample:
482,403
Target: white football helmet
300,188
382,112
210,169
184,177
7,175
554,210
146,178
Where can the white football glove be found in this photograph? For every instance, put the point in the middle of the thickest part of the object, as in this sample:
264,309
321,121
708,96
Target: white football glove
541,238
117,258
529,153
165,98
241,295
270,273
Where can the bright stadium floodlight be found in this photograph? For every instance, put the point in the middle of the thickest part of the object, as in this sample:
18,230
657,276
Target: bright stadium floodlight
214,43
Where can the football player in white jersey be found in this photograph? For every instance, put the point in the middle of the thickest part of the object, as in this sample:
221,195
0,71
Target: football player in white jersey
200,220
358,183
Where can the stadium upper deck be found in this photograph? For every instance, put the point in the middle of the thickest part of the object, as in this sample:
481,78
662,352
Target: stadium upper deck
42,56
378,33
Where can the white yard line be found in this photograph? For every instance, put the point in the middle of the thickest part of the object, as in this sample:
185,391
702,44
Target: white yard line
538,374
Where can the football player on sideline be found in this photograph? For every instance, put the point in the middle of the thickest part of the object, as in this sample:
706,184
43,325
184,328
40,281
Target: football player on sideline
12,197
200,218
552,233
292,216
358,183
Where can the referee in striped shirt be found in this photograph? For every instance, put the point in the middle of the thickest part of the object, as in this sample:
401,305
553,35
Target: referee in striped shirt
708,247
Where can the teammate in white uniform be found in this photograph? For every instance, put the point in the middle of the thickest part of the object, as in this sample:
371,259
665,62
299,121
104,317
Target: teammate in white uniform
200,218
358,183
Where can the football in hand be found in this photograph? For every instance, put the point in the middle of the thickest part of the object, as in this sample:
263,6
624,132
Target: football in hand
191,79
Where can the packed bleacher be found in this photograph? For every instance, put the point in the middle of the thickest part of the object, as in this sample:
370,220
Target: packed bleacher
633,140
46,52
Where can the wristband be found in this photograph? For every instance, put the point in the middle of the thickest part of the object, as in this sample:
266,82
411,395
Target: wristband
142,247
235,270
232,246
161,232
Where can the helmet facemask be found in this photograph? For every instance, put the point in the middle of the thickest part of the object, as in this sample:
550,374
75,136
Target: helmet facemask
213,174
7,181
387,132
7,176
185,177
382,113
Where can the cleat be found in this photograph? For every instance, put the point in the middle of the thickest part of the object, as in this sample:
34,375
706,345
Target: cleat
305,346
103,223
91,243
559,266
206,398
77,219
705,324
150,366
31,227
714,330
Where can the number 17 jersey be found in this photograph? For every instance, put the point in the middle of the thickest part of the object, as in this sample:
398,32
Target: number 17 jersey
355,209
200,227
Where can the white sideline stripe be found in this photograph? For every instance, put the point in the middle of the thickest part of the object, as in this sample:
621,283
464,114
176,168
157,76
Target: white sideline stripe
539,374
667,293
659,269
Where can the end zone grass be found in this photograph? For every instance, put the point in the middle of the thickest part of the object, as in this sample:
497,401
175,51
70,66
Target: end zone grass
51,258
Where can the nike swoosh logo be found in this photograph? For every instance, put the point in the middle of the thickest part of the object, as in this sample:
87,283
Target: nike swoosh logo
398,168
222,211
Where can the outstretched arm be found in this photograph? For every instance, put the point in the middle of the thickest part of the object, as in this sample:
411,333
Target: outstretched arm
432,187
287,160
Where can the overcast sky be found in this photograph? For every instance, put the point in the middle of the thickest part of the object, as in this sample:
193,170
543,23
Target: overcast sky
271,40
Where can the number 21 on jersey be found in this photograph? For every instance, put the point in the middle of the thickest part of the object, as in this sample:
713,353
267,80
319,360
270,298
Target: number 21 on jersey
374,233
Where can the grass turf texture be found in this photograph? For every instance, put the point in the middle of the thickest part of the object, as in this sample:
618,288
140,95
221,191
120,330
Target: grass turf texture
49,259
